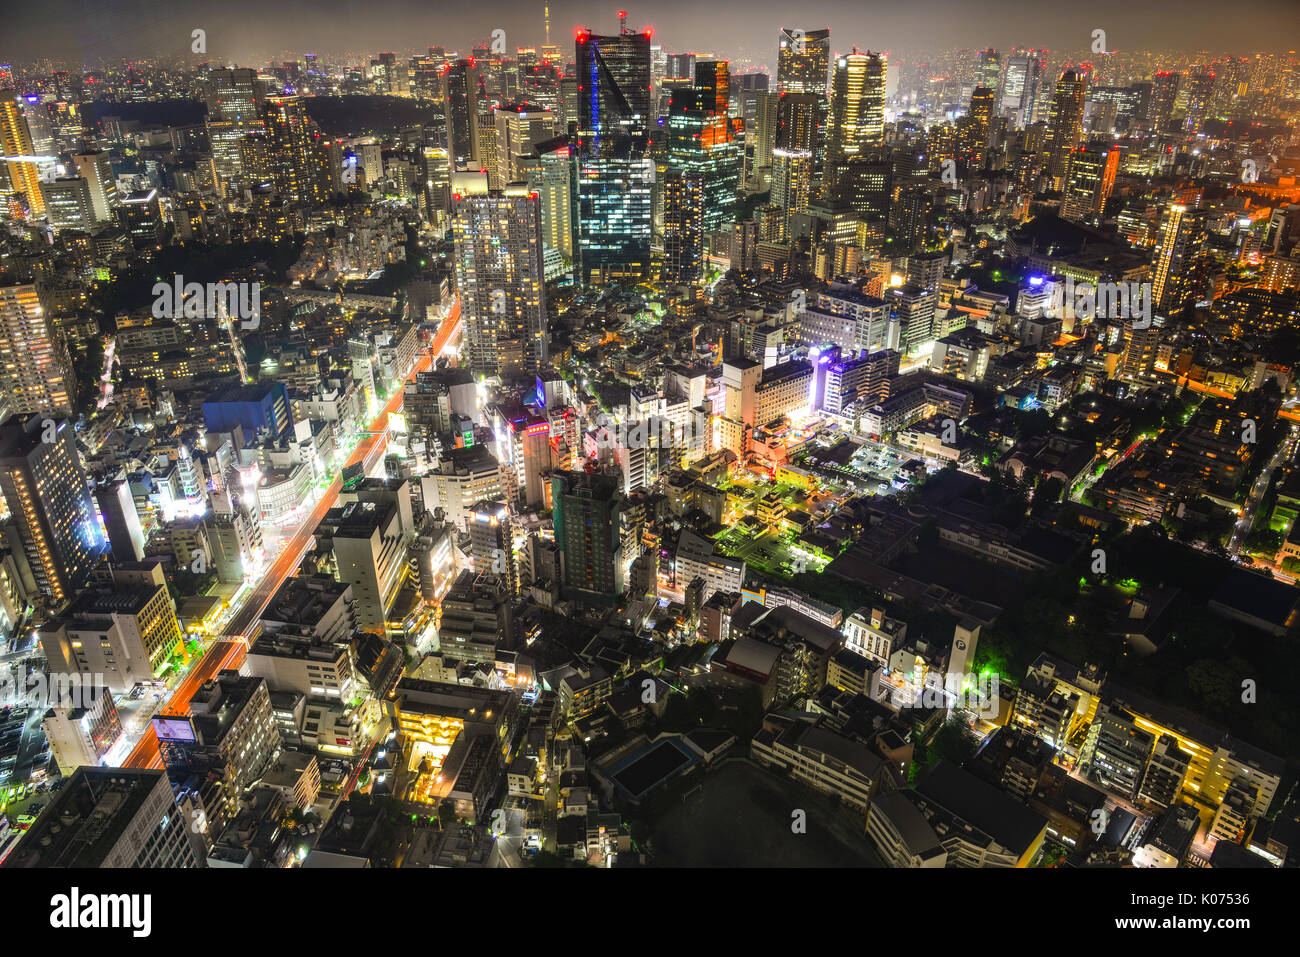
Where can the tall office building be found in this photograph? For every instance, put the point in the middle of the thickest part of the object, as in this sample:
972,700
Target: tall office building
700,142
484,127
97,171
588,509
234,99
613,91
67,203
857,104
35,368
460,103
615,178
766,122
297,153
791,183
798,121
436,169
684,213
803,60
16,143
499,272
1092,177
1064,127
110,818
1020,87
1179,249
520,129
54,529
1164,93
979,123
615,217
988,70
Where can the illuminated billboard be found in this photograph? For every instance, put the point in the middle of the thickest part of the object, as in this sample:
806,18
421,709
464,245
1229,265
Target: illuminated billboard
173,729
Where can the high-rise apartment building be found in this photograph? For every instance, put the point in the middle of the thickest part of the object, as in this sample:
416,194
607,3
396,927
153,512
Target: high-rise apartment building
16,145
53,530
1179,248
499,272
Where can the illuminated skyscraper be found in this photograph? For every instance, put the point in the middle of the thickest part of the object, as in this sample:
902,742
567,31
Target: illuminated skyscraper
520,128
988,70
791,184
436,168
460,101
1020,86
1179,248
1064,127
555,184
16,143
96,170
499,272
234,99
615,178
615,216
700,142
977,130
797,121
35,369
857,104
54,529
613,91
684,212
1092,176
1164,91
802,69
803,60
297,153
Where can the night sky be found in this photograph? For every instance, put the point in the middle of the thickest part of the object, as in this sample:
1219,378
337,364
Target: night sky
251,31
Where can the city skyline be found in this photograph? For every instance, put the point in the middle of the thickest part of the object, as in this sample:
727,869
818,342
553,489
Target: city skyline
239,31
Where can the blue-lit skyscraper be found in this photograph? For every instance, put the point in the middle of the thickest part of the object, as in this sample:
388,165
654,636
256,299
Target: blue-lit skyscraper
615,177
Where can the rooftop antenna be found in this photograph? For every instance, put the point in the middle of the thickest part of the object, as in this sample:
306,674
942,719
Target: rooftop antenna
546,11
622,21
